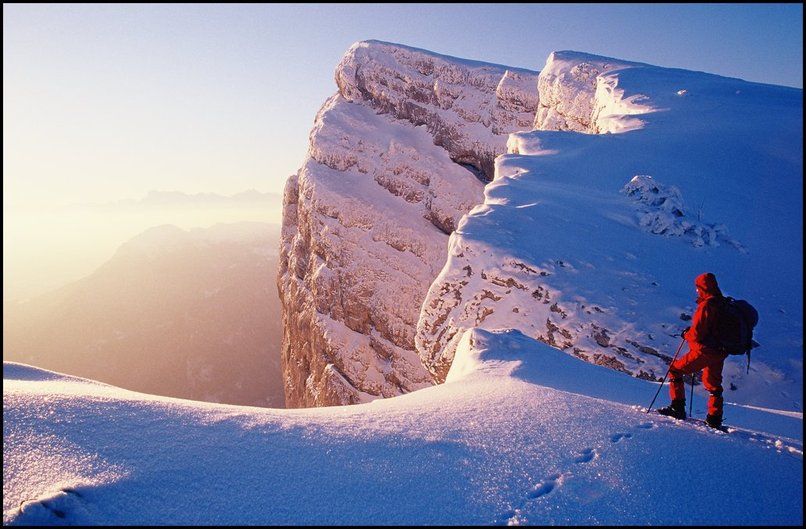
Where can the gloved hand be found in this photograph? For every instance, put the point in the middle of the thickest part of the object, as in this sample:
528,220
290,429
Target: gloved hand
683,334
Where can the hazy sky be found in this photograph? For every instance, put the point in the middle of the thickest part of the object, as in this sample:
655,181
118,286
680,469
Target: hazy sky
106,102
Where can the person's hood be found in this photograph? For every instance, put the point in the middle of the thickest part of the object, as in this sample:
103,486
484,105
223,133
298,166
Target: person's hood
707,283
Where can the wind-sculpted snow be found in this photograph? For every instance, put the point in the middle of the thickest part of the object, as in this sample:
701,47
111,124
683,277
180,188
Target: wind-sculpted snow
395,160
580,92
566,246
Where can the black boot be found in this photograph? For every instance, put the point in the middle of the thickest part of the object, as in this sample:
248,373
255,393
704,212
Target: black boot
676,410
714,421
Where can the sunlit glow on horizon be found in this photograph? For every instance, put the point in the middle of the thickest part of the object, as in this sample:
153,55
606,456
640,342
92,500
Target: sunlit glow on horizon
44,248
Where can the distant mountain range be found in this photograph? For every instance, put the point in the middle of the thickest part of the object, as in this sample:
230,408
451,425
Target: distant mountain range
189,314
179,199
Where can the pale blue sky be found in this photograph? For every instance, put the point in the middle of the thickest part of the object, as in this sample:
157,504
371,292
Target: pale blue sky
106,102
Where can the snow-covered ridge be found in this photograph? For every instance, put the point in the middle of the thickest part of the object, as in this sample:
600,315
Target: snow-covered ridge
558,250
562,252
14,371
396,158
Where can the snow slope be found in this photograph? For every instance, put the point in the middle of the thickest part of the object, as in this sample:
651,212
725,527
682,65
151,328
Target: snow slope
520,433
591,242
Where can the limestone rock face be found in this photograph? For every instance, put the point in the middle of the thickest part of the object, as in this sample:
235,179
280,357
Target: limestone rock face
468,107
396,158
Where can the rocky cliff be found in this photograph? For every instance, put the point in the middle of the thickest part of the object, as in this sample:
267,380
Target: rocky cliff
396,158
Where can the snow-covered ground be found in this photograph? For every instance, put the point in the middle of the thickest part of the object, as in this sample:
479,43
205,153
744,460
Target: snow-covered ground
521,433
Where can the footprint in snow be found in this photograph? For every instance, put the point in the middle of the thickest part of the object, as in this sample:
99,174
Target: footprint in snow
619,436
515,516
545,487
63,507
585,456
552,482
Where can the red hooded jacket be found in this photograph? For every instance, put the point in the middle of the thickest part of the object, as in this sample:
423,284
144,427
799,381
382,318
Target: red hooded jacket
703,331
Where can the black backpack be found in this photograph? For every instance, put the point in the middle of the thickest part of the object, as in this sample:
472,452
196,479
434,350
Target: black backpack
735,324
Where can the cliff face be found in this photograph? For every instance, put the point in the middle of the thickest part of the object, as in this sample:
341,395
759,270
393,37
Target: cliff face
468,107
396,158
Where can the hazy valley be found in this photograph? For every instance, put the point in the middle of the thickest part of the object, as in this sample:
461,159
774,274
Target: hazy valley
189,314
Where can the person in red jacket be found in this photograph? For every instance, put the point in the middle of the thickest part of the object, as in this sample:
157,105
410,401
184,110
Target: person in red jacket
702,355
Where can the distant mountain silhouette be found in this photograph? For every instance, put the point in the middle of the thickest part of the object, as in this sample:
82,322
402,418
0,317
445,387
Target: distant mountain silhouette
188,314
177,199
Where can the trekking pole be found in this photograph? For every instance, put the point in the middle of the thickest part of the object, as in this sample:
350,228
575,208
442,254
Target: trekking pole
691,399
682,341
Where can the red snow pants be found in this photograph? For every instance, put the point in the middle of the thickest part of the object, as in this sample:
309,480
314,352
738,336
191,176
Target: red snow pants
711,363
